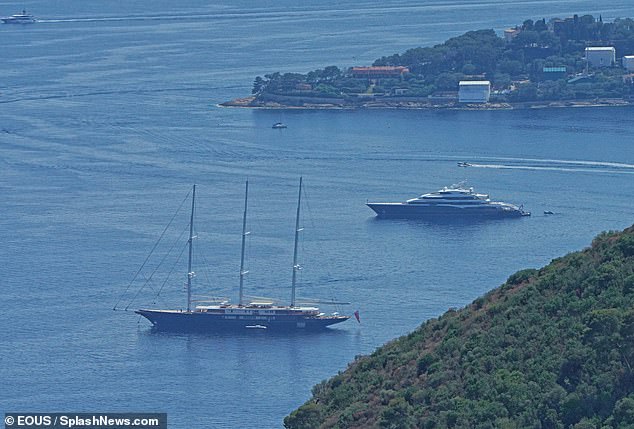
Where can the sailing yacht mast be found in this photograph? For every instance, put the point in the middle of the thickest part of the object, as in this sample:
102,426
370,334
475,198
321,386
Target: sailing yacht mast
244,236
190,274
296,266
224,317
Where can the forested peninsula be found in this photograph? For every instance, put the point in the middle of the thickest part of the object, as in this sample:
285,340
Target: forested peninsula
535,64
550,348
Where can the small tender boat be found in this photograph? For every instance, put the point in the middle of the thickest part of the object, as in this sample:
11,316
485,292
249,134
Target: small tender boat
255,327
464,164
278,125
19,18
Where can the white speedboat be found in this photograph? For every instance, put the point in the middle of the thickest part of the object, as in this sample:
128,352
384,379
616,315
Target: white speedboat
19,18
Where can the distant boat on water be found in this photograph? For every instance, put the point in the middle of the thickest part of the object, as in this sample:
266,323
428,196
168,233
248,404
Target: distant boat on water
464,164
279,125
19,18
456,200
255,315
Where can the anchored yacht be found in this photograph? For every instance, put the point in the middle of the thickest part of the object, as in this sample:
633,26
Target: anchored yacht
455,200
255,315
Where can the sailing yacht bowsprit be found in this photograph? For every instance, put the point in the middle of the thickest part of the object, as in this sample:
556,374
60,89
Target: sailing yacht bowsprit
262,315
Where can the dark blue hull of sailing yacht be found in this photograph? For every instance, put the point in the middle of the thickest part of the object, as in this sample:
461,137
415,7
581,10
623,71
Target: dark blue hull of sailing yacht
183,321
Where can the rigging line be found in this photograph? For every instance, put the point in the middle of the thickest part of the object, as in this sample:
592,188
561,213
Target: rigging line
302,238
204,265
180,255
320,249
197,254
157,267
247,257
204,270
311,222
151,287
169,252
151,252
307,204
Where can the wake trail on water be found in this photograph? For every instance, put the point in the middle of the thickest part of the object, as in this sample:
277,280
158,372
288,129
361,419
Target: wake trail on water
577,166
507,163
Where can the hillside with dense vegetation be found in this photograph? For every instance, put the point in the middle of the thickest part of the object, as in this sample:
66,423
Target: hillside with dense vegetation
550,348
514,65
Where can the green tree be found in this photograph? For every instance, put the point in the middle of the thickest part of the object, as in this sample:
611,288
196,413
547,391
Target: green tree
397,415
624,412
258,85
306,417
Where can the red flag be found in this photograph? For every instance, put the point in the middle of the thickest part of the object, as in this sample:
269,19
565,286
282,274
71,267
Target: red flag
356,315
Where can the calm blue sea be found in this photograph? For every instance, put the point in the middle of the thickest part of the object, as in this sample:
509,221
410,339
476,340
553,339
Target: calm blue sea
108,115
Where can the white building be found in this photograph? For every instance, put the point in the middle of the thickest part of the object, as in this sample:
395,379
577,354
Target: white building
628,62
474,91
601,56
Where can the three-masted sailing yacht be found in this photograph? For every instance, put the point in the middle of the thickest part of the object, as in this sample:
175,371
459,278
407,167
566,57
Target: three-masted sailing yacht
252,315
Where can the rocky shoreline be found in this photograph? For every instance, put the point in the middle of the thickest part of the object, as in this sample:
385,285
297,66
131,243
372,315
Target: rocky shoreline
290,102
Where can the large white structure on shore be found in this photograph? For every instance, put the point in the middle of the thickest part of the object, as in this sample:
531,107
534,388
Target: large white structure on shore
628,62
474,91
601,56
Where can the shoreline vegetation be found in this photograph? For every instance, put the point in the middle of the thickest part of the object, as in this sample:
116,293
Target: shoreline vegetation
420,104
550,348
578,61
